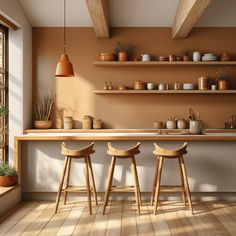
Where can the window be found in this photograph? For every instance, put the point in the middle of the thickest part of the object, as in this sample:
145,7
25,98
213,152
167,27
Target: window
3,90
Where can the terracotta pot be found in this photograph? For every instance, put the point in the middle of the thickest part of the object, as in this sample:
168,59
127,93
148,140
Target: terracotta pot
186,58
222,85
106,56
42,124
122,56
139,85
7,181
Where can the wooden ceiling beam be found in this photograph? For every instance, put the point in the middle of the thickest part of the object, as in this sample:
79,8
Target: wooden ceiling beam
99,14
187,15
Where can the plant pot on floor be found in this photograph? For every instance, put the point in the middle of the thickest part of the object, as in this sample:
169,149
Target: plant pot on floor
8,181
42,124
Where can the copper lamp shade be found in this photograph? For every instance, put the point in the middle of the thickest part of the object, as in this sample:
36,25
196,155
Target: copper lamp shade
64,67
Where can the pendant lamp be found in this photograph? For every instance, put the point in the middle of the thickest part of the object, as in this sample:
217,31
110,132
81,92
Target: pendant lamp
64,66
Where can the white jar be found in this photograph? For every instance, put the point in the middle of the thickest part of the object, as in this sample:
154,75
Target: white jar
170,124
195,126
150,86
181,124
196,56
161,86
68,122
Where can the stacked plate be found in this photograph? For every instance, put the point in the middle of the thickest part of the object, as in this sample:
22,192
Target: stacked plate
209,57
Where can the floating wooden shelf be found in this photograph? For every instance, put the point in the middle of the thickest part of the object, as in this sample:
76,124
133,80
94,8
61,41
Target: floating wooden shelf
164,91
165,63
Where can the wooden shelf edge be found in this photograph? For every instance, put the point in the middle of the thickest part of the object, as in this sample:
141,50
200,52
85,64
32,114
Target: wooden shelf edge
164,63
5,190
164,91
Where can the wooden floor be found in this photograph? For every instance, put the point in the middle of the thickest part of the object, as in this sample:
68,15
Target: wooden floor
38,218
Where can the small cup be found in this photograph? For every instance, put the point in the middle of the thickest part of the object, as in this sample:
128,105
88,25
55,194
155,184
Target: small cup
213,87
150,86
161,86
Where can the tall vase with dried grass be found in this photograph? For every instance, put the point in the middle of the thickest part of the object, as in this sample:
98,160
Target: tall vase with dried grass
43,108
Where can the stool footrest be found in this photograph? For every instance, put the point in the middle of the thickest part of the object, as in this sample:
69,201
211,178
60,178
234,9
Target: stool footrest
76,189
170,188
122,189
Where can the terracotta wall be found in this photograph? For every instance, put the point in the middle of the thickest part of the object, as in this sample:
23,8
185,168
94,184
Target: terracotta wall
75,95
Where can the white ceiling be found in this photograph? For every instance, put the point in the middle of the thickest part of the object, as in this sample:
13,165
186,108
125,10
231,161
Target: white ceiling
125,13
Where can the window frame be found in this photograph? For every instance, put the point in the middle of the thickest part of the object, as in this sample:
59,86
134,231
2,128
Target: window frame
4,87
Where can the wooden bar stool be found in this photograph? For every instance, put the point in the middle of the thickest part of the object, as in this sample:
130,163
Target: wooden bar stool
77,154
184,188
122,154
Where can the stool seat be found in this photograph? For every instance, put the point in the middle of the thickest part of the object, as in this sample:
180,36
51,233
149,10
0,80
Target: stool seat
123,153
117,153
159,151
162,153
76,154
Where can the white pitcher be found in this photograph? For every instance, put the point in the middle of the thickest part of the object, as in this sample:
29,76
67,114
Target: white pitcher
195,126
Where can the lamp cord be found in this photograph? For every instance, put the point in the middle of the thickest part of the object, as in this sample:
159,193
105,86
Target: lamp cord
64,26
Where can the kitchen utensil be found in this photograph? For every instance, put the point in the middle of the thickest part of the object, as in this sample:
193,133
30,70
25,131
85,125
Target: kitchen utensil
196,56
87,122
139,85
203,83
106,56
195,126
189,86
225,56
213,87
161,86
97,124
122,87
181,124
177,86
68,122
146,57
171,124
150,86
122,56
222,85
157,125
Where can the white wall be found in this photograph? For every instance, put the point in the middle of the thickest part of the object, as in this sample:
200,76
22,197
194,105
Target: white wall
20,70
210,166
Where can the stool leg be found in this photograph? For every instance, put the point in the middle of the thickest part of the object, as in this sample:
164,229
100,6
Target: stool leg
154,183
93,182
158,184
67,179
182,182
109,183
88,185
61,184
186,184
136,184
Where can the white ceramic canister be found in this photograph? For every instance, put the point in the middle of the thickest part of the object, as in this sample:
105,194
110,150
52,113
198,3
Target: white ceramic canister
170,124
150,86
196,56
146,57
181,124
195,126
68,122
161,86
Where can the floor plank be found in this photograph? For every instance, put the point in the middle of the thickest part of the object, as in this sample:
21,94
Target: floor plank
114,220
85,223
13,219
160,225
22,224
223,217
128,222
57,220
144,223
40,222
170,212
121,218
72,219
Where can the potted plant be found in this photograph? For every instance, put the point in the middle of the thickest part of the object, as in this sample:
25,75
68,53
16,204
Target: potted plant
123,51
8,175
222,78
186,54
43,109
